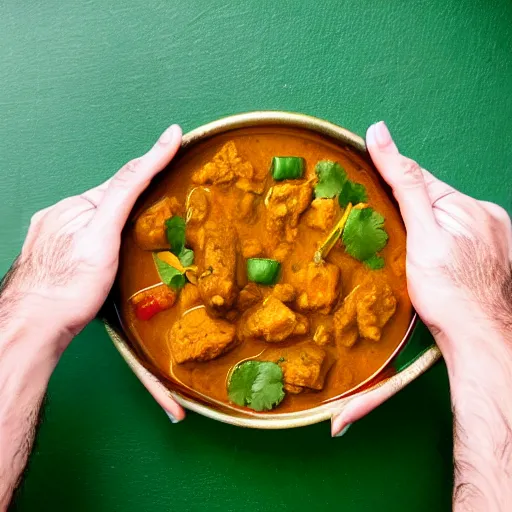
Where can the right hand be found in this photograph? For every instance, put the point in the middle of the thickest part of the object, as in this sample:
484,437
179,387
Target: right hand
459,249
459,274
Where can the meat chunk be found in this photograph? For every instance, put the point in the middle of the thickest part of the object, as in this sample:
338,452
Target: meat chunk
323,335
271,321
189,297
318,287
252,248
225,167
217,279
285,203
197,337
365,312
284,292
249,295
321,214
304,367
149,232
198,206
247,207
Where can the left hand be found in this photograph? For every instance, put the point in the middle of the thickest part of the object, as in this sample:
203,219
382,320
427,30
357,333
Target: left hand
70,256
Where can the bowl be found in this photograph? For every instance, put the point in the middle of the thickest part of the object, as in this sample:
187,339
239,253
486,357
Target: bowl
410,359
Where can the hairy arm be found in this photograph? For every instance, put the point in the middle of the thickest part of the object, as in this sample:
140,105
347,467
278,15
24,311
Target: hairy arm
65,270
29,350
459,278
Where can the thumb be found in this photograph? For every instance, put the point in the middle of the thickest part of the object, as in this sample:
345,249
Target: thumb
405,178
131,180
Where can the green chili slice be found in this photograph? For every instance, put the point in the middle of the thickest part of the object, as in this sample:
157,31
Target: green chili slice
287,167
263,271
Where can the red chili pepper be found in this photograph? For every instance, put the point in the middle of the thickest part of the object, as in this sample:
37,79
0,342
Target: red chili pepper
147,308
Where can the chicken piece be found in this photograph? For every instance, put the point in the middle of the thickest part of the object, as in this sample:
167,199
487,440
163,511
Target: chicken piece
285,203
321,214
375,307
249,295
302,325
364,312
323,335
197,337
225,167
250,185
149,232
318,287
252,248
247,207
271,321
150,301
282,251
216,281
198,206
189,297
284,292
304,366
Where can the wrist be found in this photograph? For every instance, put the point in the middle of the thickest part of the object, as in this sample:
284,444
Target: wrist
31,321
476,351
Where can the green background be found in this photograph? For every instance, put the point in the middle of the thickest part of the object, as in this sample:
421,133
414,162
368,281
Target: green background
86,86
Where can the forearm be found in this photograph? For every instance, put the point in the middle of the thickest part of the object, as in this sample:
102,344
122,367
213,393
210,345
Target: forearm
29,351
480,381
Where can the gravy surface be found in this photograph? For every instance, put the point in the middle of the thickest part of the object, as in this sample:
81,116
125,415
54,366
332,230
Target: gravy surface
351,366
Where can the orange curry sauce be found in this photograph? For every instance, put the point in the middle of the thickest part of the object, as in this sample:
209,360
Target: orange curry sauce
351,366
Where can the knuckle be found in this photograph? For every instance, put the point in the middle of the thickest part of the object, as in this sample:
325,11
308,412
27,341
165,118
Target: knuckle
127,173
411,170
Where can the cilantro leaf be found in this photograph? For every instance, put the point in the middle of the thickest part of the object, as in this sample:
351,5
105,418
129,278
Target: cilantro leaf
375,262
352,193
186,257
331,178
257,385
364,234
175,230
168,274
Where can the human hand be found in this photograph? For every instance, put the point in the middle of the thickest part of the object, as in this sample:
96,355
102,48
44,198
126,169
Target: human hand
459,253
71,252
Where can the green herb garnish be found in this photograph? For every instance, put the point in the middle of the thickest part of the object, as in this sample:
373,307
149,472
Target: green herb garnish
257,385
364,234
352,192
175,230
331,178
375,262
168,274
186,257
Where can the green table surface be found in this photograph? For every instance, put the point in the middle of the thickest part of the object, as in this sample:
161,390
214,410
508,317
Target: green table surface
85,86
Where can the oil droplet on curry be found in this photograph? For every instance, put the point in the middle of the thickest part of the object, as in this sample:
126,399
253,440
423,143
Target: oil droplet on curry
220,265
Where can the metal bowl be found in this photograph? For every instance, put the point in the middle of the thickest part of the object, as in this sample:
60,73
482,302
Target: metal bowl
408,361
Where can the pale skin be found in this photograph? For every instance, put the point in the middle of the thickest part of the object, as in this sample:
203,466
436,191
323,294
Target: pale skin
459,253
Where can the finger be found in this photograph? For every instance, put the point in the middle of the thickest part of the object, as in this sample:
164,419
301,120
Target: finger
34,229
131,180
437,189
95,195
361,406
501,215
405,178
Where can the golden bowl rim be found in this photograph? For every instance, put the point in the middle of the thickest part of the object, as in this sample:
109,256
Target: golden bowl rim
326,410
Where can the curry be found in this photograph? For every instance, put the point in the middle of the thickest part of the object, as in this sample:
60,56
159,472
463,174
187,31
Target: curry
266,270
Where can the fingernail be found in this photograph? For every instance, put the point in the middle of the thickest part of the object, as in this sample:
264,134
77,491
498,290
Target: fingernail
343,430
169,134
382,135
171,417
